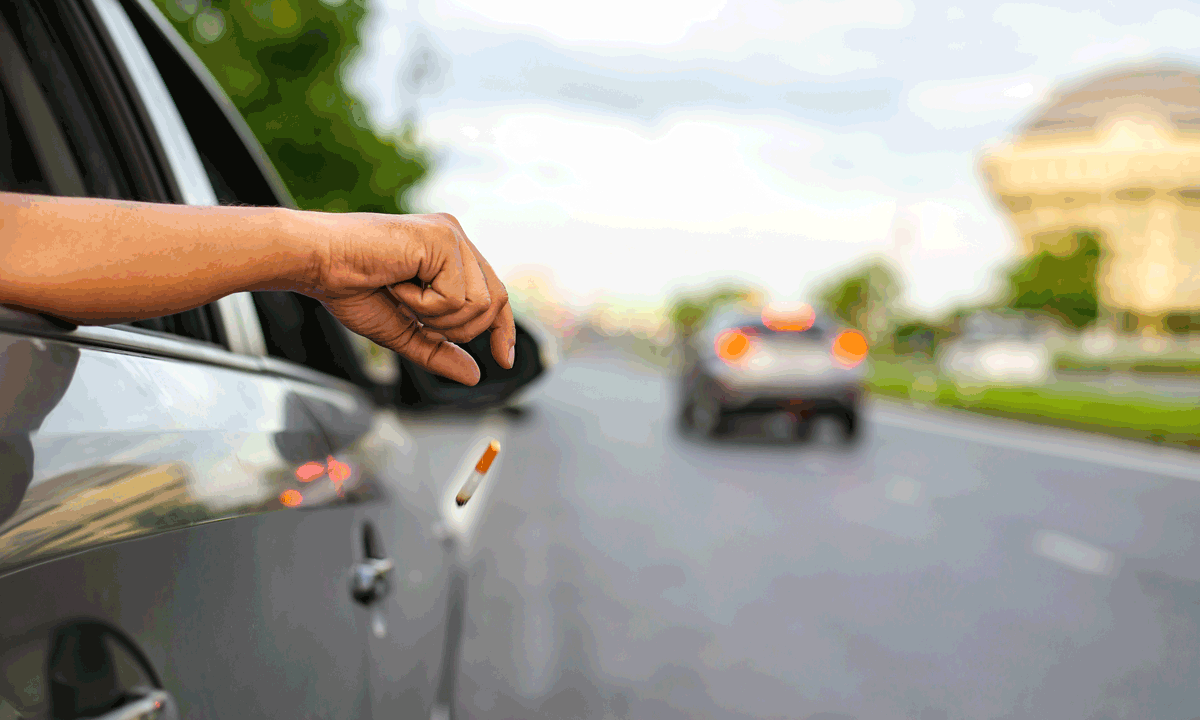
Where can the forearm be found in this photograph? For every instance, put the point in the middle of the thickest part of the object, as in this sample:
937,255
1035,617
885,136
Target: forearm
102,261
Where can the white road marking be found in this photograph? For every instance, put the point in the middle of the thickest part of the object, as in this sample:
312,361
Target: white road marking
1073,552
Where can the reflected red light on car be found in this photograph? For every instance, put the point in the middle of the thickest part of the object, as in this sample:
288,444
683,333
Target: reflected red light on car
733,345
850,348
339,472
291,498
310,471
789,317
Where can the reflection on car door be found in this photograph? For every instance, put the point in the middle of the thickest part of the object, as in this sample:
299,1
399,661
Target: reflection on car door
408,623
151,451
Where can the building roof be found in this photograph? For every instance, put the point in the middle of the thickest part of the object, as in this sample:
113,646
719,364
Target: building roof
1171,90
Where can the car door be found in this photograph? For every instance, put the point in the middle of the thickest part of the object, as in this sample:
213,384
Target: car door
408,633
155,517
401,539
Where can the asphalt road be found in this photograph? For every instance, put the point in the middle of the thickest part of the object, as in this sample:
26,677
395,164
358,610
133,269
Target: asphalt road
949,566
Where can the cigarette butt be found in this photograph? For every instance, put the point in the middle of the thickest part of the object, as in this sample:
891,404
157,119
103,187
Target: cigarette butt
481,468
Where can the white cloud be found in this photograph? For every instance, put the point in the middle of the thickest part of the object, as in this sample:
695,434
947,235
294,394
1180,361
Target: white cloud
1064,40
975,102
954,13
623,21
806,34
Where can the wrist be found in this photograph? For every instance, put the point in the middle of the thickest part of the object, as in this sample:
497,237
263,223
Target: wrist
307,249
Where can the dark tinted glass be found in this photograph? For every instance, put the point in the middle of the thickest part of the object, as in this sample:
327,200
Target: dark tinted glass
19,171
300,329
40,30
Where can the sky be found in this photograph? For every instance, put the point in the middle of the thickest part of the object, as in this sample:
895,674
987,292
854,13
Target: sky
637,147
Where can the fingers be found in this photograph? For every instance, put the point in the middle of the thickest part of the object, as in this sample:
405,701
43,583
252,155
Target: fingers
441,288
444,272
486,305
478,298
504,329
378,318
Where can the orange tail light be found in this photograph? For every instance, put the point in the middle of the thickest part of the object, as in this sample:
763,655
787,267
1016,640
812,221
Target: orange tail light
850,348
733,345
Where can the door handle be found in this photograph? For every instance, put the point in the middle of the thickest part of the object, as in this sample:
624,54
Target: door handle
369,580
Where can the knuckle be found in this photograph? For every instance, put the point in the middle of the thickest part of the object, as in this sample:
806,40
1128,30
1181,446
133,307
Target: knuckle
480,306
404,337
458,335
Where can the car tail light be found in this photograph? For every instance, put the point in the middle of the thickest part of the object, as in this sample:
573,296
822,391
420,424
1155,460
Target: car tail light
850,348
734,345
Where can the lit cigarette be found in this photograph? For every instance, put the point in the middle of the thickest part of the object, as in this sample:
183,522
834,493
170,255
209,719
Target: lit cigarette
481,468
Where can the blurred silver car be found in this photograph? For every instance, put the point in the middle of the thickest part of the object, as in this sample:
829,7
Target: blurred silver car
783,358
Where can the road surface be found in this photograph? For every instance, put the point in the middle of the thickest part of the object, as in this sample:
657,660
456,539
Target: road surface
949,566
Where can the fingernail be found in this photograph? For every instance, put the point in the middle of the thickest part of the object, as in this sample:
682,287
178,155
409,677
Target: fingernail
512,356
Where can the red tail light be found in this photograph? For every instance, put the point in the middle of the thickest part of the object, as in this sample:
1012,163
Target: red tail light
850,348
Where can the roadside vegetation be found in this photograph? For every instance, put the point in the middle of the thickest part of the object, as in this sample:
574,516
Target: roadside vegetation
1109,408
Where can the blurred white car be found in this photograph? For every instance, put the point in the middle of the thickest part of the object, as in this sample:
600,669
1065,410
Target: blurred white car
998,350
998,361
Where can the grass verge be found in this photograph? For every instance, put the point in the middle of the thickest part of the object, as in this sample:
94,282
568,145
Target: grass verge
1134,415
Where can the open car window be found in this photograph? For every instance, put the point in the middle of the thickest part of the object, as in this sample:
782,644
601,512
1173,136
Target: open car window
56,140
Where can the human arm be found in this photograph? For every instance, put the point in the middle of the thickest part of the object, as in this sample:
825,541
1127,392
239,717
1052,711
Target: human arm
97,261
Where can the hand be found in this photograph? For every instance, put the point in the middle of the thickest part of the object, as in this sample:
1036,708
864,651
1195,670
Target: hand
414,284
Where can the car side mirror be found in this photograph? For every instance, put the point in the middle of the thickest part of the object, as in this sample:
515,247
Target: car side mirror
419,388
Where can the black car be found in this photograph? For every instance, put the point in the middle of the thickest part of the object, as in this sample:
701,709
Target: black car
786,359
226,512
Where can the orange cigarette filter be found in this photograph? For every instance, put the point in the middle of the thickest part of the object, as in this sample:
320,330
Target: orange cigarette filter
481,468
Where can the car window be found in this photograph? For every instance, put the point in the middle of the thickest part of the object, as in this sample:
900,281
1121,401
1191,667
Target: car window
19,169
299,329
295,328
59,95
237,168
32,160
38,153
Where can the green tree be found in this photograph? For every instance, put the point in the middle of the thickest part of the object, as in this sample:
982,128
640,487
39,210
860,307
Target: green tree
1064,287
689,309
864,297
282,62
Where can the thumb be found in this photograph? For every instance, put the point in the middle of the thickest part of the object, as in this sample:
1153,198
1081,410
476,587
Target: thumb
377,318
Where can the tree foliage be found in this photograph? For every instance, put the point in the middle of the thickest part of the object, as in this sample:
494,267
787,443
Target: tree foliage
1064,287
281,62
863,297
689,310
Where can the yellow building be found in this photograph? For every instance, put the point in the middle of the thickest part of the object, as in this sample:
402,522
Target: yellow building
1119,154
